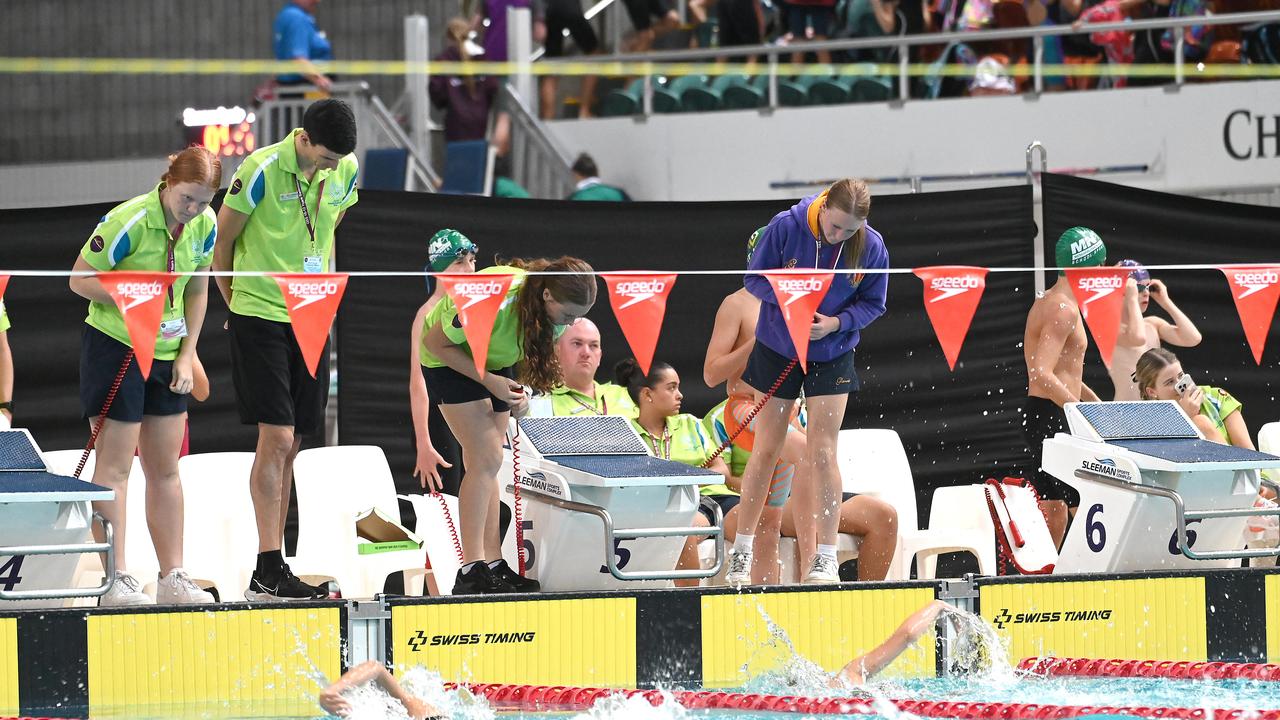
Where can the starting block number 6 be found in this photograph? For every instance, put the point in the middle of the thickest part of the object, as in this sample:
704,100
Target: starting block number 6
1095,533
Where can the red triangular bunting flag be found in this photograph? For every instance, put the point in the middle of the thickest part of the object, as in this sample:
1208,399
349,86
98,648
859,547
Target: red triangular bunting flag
1255,290
312,300
4,283
951,295
639,301
1100,293
477,298
141,298
799,295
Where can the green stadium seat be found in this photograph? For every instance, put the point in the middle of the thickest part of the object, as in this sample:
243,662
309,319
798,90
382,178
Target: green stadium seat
741,94
872,89
696,94
831,91
624,102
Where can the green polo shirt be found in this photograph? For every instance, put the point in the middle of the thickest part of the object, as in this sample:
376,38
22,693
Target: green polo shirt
610,399
688,441
4,317
133,236
505,347
275,237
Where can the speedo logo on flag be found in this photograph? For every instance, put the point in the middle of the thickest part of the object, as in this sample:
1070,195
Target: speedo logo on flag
950,286
309,292
1081,249
799,287
139,292
477,291
1253,282
1101,286
638,291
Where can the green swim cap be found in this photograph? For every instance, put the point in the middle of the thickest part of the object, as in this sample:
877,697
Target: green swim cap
1079,247
445,247
751,242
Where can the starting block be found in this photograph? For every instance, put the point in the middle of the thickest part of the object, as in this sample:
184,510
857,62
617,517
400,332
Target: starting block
599,512
45,522
1154,494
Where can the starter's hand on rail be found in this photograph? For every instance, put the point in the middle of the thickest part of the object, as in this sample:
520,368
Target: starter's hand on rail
823,325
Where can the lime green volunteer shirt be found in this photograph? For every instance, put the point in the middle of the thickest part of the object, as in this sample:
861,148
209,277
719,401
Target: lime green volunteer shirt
275,237
133,237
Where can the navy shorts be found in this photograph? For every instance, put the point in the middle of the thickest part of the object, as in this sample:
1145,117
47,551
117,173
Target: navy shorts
823,377
564,15
726,503
273,386
802,17
447,386
100,358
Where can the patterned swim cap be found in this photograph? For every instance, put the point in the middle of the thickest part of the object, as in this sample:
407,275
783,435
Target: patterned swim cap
445,247
1139,273
753,240
1080,247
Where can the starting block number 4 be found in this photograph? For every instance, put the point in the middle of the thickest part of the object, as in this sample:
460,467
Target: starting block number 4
9,577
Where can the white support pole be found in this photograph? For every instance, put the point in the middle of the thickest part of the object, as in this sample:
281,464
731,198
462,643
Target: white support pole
520,51
415,84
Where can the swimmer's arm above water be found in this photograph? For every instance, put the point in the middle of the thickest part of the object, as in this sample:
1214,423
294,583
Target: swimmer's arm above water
372,671
864,666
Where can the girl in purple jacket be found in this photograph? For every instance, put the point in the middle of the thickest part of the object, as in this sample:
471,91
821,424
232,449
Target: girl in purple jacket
828,231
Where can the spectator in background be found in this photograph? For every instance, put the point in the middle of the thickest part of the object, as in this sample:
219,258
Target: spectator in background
741,22
503,184
643,14
6,371
561,15
467,99
493,18
810,20
868,19
1139,334
590,187
296,38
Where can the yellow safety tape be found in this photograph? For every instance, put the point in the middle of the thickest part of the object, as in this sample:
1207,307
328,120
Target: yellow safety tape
368,68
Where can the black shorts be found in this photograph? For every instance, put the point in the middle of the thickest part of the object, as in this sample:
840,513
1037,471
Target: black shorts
1044,419
802,17
726,503
567,15
447,386
738,22
273,385
826,377
642,12
100,359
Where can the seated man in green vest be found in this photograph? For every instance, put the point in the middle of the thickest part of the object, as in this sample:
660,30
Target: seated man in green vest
578,352
590,187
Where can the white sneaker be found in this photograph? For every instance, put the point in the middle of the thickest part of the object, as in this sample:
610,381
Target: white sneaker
125,591
822,571
177,588
739,572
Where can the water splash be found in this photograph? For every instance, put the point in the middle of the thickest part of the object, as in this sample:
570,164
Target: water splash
620,707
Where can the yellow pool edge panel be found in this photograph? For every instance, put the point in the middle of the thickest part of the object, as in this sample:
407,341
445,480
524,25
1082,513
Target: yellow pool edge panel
274,658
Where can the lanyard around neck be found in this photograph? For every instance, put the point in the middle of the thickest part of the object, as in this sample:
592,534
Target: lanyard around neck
306,214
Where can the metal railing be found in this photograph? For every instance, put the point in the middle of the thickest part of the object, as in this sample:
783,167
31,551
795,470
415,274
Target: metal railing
538,162
654,61
376,127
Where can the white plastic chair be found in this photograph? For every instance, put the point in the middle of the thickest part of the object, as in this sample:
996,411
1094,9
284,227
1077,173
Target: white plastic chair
873,462
139,552
961,511
1269,438
437,541
220,533
335,485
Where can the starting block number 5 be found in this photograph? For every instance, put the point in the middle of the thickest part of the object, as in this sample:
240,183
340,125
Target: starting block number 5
9,577
621,556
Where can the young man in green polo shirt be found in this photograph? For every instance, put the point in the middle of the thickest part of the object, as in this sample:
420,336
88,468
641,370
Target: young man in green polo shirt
578,352
6,371
279,215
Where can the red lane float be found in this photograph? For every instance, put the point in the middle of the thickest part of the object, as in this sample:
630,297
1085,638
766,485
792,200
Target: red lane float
1183,670
536,698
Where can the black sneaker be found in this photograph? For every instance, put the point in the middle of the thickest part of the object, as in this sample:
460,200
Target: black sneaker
517,581
480,580
286,587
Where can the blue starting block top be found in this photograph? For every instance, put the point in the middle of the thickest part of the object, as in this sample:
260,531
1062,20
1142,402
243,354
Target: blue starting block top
18,452
1132,420
629,466
1194,450
40,486
589,435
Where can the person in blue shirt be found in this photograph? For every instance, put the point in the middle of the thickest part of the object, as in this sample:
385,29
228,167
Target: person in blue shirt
825,232
295,37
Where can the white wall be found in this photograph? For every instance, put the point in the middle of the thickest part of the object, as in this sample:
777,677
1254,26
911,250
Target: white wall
736,155
79,183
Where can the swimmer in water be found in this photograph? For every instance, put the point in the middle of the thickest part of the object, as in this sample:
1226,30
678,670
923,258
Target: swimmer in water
860,669
372,671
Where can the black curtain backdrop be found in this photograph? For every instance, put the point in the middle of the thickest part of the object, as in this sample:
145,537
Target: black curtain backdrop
957,427
1161,229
